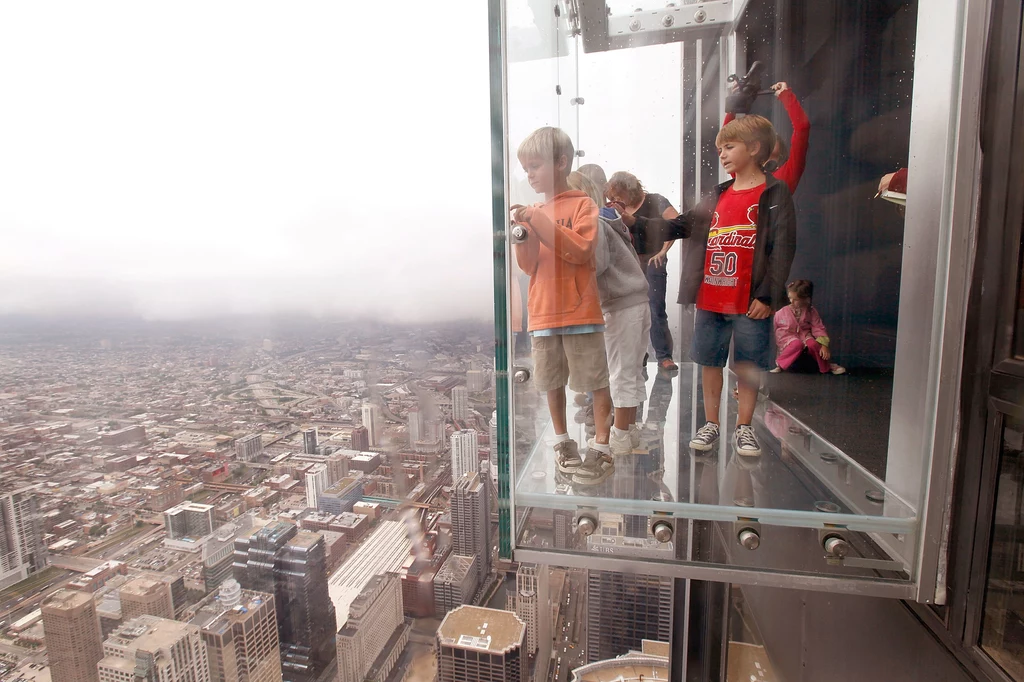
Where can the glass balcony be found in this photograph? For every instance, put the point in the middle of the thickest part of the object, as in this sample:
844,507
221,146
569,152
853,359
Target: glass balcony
848,488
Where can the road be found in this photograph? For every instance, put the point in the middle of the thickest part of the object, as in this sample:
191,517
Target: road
569,646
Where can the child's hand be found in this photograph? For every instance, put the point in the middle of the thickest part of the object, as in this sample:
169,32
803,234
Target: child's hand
520,213
883,184
758,310
825,355
780,88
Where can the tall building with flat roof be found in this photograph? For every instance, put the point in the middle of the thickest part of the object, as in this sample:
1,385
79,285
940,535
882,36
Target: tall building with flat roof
316,483
239,628
74,641
291,564
309,441
341,496
482,645
465,457
376,630
526,602
623,609
360,438
151,649
471,521
249,447
374,423
460,404
22,552
146,597
189,520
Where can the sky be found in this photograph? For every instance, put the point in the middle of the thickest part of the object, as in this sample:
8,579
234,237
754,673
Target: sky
192,159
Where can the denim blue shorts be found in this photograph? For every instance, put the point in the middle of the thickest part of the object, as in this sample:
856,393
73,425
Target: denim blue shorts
712,332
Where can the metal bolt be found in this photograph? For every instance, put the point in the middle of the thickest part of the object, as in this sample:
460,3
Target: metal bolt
577,100
876,496
634,25
662,531
827,507
667,20
580,153
521,375
749,539
700,17
829,457
518,233
586,526
836,546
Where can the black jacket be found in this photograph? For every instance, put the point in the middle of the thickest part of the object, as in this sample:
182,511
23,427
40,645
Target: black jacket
773,250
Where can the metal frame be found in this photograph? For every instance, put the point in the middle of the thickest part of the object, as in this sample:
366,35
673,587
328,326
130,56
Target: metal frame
718,573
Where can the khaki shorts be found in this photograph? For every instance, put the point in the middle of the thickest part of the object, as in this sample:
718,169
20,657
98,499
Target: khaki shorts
576,359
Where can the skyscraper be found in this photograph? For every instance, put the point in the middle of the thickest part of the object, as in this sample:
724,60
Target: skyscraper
309,441
483,645
417,426
373,422
526,602
316,483
464,453
375,631
280,559
360,438
22,552
470,509
151,649
188,520
73,637
623,609
476,380
146,597
249,447
460,404
239,628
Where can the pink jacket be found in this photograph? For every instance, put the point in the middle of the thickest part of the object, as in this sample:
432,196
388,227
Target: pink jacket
788,329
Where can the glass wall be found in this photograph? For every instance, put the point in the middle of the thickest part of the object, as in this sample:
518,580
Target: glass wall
725,396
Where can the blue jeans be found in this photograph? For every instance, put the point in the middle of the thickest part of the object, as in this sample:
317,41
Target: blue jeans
661,337
712,332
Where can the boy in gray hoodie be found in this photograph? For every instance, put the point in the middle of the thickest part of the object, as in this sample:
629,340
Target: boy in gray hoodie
627,316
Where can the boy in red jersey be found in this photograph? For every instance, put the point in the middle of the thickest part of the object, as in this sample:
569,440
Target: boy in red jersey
743,243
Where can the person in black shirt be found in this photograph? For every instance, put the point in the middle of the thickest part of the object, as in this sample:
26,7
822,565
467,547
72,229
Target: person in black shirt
646,215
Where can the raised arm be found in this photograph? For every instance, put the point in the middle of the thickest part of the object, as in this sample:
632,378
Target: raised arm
793,169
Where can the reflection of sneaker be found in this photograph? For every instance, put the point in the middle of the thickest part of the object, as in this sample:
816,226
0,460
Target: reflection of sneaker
667,365
746,442
567,457
776,370
595,470
705,438
620,445
836,369
582,399
585,415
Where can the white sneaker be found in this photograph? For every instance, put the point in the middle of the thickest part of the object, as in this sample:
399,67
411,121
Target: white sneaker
705,438
836,369
634,435
620,444
776,370
746,442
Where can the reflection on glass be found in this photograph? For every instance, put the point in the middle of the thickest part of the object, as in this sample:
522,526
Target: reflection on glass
1002,631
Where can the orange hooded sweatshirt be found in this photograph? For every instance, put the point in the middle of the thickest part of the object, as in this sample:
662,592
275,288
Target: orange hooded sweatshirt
558,255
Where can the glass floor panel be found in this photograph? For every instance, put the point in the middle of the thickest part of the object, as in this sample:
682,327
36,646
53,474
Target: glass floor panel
800,480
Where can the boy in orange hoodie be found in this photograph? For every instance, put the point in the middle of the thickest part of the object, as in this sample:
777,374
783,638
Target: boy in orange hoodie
566,324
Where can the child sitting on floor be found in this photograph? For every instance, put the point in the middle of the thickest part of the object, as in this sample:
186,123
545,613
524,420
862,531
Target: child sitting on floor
799,329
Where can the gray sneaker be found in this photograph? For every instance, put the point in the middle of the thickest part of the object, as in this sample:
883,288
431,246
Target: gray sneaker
567,457
705,438
746,442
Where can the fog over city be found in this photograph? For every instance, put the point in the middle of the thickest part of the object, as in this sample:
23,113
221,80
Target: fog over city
198,159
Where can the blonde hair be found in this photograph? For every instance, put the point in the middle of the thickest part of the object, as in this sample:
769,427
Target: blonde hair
596,175
749,130
547,144
578,181
628,186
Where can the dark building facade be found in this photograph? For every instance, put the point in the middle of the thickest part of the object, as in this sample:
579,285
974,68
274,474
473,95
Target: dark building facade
291,564
623,609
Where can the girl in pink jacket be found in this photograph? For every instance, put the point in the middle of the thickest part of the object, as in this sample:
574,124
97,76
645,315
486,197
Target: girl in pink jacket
799,329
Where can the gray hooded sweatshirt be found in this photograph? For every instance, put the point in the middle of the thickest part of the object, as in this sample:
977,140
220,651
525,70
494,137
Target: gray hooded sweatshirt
620,280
